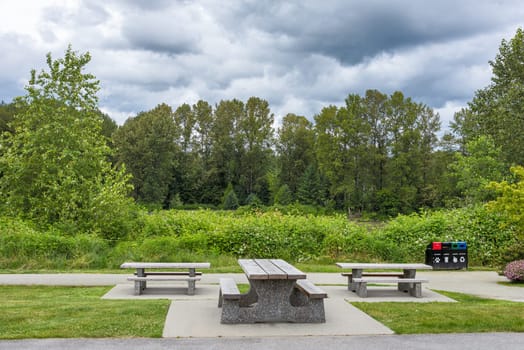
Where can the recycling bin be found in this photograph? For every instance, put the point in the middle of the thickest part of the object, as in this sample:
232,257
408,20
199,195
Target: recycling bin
447,255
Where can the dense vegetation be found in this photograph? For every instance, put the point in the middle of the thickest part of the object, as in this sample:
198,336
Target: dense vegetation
218,235
74,185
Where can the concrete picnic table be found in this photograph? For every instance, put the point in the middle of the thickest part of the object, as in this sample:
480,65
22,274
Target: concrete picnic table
275,295
142,276
356,278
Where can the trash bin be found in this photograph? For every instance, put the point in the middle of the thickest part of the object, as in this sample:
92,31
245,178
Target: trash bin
447,255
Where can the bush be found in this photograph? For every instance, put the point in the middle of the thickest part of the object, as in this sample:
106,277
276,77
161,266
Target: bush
515,271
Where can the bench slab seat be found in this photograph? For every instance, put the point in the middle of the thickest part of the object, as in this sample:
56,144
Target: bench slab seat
173,273
310,289
140,282
411,285
228,290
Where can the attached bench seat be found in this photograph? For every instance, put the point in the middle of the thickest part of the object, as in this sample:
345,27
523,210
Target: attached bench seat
174,273
306,299
140,281
311,290
411,285
374,274
228,291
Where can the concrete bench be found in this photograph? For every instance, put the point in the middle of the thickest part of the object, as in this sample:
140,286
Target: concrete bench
311,290
412,285
352,286
174,273
165,277
228,290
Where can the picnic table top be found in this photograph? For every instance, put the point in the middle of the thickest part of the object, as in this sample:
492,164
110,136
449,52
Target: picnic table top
165,265
384,266
265,269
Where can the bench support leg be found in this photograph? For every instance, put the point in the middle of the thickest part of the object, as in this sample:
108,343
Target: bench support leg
138,287
362,289
416,290
191,287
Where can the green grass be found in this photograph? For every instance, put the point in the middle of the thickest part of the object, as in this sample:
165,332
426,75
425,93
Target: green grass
72,312
469,315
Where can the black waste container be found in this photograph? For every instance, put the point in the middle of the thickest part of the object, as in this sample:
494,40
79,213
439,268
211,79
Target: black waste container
447,255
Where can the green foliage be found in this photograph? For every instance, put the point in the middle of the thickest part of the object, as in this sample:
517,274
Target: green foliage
145,145
477,168
230,201
288,234
55,165
22,245
497,109
509,204
283,195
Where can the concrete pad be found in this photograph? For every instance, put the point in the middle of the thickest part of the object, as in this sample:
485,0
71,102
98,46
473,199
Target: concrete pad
377,294
163,291
201,319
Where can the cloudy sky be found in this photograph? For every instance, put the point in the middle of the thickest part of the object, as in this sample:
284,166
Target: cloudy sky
298,55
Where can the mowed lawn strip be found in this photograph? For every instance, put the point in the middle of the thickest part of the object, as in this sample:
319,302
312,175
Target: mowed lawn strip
72,312
470,314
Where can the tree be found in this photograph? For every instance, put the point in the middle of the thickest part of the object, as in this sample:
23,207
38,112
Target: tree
295,149
7,112
225,156
55,165
254,140
230,200
146,144
510,203
497,110
342,139
474,170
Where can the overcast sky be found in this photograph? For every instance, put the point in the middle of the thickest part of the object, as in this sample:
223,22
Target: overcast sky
299,55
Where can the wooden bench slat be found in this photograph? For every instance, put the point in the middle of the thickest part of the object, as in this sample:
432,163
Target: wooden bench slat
176,273
273,271
164,278
291,271
252,269
310,289
229,289
377,274
390,280
165,265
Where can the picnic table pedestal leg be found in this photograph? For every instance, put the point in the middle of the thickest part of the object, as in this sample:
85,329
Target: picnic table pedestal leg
191,282
406,287
272,301
355,273
140,286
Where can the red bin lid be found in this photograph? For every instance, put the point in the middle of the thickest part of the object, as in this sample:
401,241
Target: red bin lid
437,246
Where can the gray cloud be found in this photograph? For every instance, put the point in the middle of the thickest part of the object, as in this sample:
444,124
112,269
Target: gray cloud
298,55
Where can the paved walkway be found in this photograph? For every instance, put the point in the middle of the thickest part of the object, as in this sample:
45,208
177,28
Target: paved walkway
480,283
481,341
198,316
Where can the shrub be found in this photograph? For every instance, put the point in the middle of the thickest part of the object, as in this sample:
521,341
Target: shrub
515,271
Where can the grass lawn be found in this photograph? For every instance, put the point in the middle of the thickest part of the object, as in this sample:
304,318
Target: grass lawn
469,315
71,312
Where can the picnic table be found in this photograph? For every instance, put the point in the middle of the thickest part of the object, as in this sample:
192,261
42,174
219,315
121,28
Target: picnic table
406,280
142,276
279,292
